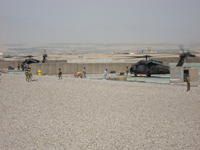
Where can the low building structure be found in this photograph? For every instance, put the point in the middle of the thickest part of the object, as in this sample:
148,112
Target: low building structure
179,75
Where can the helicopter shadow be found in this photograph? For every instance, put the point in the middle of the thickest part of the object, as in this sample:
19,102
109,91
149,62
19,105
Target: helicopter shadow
34,80
144,76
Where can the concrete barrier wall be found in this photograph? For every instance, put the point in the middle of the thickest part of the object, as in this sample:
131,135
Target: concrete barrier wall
89,68
73,68
51,66
13,63
59,65
95,68
176,74
115,67
45,68
122,67
98,68
193,74
7,63
66,68
35,68
80,67
102,67
52,69
109,67
2,64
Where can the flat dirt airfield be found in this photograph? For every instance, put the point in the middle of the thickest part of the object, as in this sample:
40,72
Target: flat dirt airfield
75,113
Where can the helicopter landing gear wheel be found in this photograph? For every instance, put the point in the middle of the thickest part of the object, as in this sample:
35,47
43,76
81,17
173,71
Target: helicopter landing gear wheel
135,74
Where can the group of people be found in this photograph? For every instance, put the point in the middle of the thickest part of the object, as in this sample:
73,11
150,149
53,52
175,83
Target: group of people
29,75
60,73
105,73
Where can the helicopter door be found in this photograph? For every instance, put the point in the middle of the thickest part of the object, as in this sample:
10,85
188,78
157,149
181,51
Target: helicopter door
141,69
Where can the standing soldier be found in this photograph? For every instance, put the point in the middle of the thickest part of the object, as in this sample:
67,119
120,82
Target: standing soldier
188,82
127,70
60,73
29,76
105,73
26,73
84,72
18,66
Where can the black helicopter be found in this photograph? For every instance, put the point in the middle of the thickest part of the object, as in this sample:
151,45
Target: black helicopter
28,61
9,56
149,67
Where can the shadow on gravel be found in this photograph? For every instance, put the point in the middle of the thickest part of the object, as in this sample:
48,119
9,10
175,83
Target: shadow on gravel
34,80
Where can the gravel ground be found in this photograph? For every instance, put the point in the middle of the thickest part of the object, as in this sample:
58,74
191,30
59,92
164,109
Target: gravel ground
97,114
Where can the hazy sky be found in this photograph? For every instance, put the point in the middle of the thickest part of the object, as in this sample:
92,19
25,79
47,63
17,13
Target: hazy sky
100,21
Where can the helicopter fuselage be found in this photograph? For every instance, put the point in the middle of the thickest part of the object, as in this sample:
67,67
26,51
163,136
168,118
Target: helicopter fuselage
29,61
149,67
154,67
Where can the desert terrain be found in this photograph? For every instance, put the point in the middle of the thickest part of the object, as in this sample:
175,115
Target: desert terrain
75,113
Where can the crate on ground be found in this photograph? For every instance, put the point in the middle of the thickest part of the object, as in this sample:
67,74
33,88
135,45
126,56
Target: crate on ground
5,71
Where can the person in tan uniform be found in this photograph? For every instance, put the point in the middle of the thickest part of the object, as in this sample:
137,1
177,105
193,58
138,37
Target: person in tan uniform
188,82
29,76
26,73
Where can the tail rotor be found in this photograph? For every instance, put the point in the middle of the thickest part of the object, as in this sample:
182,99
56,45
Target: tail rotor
44,56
